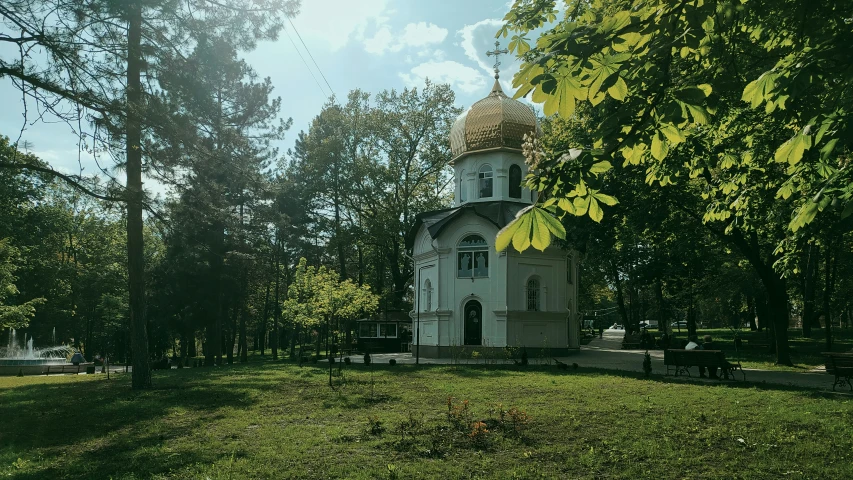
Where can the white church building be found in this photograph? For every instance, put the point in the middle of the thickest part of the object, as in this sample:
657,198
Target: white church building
468,294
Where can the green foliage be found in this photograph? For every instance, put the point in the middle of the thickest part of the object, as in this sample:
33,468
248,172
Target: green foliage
681,86
318,294
534,229
12,316
360,176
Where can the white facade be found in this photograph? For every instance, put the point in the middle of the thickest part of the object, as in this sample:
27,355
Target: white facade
467,293
467,173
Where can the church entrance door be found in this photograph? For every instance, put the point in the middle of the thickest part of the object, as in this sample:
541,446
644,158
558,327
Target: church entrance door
473,323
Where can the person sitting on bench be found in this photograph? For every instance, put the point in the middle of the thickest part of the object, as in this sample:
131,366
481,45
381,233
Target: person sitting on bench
693,343
708,344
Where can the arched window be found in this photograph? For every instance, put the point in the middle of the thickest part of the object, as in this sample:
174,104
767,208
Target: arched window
463,195
533,295
427,295
472,257
485,181
515,181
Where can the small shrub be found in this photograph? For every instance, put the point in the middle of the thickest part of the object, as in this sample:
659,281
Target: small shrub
459,415
518,420
524,357
479,433
332,360
347,360
315,359
411,426
392,362
367,359
647,364
374,426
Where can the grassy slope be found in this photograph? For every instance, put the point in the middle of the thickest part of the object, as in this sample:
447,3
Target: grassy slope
265,420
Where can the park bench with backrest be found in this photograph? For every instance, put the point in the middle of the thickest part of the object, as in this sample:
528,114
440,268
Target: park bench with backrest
631,342
682,360
66,368
840,365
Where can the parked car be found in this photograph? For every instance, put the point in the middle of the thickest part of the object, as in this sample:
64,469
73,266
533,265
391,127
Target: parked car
617,326
648,326
682,324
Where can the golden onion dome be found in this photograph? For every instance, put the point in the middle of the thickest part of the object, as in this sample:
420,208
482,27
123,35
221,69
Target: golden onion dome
493,123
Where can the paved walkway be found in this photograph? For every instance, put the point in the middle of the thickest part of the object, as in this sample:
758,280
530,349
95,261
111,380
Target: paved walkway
606,353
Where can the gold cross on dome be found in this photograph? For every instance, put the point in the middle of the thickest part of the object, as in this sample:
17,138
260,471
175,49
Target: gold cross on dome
497,51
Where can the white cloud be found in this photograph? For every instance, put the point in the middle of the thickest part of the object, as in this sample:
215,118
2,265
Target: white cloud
419,34
436,55
422,33
379,42
461,77
476,34
477,39
335,22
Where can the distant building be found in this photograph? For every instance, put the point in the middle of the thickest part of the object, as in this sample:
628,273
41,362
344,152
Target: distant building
388,332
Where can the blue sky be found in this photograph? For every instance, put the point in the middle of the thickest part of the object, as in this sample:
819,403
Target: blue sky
368,44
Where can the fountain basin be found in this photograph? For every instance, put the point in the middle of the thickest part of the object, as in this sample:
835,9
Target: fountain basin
30,361
11,367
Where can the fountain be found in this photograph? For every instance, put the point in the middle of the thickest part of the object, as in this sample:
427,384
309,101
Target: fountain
24,358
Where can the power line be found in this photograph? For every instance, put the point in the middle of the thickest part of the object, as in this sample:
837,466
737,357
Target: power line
306,63
312,57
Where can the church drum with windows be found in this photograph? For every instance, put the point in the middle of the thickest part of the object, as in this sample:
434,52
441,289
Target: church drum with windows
471,297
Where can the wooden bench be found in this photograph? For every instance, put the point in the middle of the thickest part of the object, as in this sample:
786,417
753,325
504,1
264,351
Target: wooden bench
682,360
66,368
840,365
631,342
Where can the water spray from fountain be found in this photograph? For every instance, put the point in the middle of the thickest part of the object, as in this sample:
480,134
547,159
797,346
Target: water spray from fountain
26,352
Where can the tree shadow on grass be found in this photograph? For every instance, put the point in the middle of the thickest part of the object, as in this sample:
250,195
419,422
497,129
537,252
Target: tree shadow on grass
463,370
94,428
139,456
737,384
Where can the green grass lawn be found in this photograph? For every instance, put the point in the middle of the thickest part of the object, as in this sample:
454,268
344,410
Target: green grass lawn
276,420
805,352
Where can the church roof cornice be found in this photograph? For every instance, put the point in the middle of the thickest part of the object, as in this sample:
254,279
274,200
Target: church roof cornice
499,213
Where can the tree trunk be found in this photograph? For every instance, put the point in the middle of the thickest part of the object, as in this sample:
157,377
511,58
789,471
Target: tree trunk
215,340
827,295
141,376
750,312
398,276
184,341
243,344
193,348
810,277
263,332
277,306
620,298
232,332
663,314
776,288
777,299
691,319
360,265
